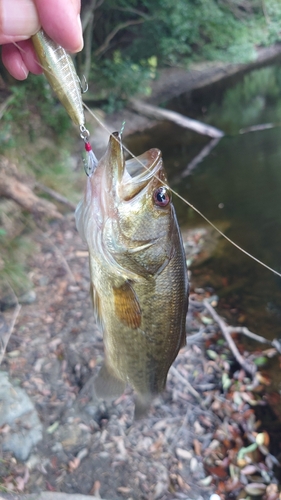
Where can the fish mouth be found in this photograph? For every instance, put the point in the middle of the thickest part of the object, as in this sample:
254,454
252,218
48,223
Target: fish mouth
132,176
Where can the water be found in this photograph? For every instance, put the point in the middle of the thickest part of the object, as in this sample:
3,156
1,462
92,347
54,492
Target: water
238,187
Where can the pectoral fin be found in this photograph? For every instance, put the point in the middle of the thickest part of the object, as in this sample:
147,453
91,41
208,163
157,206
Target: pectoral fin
107,386
127,307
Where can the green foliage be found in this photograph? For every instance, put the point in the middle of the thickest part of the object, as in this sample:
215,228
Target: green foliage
256,99
13,270
174,33
34,94
123,78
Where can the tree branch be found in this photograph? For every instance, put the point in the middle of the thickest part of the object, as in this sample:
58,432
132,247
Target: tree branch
111,35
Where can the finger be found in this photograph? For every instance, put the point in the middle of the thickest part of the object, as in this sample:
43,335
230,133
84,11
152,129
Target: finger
18,20
13,62
61,21
29,57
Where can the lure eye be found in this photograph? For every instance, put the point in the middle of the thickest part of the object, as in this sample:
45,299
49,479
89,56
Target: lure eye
161,197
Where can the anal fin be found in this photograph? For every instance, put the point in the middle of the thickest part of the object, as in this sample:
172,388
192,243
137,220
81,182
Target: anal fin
107,386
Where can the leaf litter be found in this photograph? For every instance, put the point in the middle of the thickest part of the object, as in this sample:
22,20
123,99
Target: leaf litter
203,436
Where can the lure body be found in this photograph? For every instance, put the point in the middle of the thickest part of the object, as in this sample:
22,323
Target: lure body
60,72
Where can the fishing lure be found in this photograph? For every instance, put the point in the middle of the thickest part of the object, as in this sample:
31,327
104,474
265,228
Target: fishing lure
61,74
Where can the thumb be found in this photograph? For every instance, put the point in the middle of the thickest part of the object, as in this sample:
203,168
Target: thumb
18,20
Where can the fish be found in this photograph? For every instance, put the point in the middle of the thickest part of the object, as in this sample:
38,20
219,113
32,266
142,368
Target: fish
139,280
61,74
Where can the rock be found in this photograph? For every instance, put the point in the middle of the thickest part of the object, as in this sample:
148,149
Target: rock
48,496
28,297
18,412
10,300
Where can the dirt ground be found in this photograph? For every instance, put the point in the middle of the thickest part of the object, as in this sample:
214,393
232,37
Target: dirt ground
192,434
53,351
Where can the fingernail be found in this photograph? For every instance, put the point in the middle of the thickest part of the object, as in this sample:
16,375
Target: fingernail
19,18
24,71
81,44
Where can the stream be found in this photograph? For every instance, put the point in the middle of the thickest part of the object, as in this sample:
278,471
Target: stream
237,186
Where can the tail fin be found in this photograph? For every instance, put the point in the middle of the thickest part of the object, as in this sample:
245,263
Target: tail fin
142,405
107,386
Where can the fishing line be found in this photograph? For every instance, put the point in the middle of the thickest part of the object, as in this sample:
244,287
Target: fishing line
183,199
172,190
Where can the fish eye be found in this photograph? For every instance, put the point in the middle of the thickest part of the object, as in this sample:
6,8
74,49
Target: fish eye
161,196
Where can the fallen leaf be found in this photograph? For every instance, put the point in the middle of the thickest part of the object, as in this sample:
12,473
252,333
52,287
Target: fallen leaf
74,464
249,469
96,489
263,438
50,487
197,446
124,489
185,454
218,471
255,489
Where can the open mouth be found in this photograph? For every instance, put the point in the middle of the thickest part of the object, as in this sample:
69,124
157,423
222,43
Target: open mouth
139,171
143,166
131,176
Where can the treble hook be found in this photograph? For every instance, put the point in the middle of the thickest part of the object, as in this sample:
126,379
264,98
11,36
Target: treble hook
85,86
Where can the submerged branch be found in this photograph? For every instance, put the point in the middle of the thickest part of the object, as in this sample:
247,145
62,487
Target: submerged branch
165,114
257,128
200,157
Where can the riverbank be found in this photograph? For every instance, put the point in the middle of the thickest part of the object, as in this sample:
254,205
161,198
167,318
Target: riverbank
170,83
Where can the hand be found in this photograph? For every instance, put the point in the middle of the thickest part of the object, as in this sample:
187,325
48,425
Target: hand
20,19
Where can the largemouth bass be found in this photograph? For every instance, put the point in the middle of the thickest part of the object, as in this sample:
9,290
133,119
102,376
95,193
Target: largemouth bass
138,272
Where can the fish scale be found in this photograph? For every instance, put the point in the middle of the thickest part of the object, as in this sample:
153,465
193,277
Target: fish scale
138,273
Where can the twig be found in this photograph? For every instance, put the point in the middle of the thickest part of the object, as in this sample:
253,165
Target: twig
247,366
183,380
54,194
147,17
88,46
87,14
5,104
7,337
265,13
245,331
111,35
190,339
